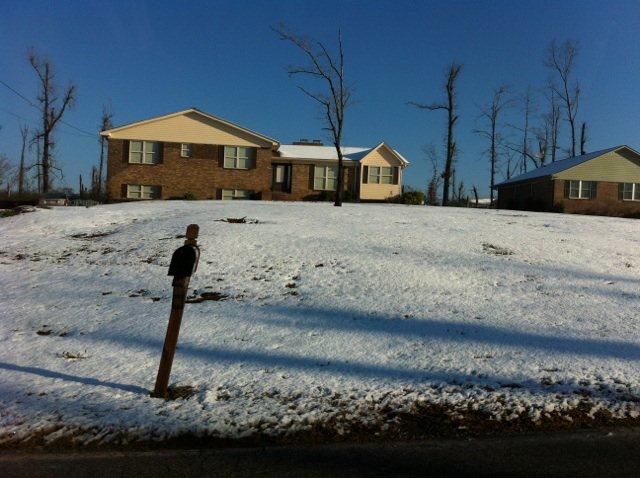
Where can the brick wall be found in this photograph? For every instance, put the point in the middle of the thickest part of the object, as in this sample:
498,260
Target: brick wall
302,182
203,174
548,195
606,202
532,195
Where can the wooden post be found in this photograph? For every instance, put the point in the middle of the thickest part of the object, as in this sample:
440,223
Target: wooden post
180,288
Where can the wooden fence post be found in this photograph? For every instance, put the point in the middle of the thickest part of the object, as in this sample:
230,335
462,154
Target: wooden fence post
183,264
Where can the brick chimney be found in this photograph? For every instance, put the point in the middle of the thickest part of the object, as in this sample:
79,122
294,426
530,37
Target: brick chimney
307,142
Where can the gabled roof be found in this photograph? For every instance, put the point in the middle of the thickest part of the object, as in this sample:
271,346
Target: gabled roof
187,111
562,165
349,153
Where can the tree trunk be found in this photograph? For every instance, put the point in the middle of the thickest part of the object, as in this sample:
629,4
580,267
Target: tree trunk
493,156
23,133
449,160
44,163
100,169
338,200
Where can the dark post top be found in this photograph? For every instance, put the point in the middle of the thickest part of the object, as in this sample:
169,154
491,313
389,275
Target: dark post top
192,234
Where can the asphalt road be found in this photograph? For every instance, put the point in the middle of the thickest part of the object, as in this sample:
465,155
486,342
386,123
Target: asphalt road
613,452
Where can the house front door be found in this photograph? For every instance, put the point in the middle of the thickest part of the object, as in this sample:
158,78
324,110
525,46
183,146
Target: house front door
281,178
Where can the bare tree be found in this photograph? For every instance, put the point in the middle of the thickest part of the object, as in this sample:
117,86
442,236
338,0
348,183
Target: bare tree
552,121
334,97
6,171
583,138
491,115
81,187
452,118
24,132
52,108
526,108
510,160
561,60
542,138
523,146
35,142
106,122
436,177
95,191
454,199
460,193
475,194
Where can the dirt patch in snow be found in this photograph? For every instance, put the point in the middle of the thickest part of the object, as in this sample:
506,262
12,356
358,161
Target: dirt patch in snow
91,235
238,220
215,296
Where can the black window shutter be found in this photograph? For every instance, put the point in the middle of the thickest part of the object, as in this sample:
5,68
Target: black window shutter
160,152
620,191
125,151
365,174
221,155
396,175
254,158
566,188
594,190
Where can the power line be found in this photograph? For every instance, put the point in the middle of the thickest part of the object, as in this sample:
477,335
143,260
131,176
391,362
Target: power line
38,124
30,103
20,95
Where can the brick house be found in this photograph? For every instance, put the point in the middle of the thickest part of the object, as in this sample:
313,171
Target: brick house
605,183
197,154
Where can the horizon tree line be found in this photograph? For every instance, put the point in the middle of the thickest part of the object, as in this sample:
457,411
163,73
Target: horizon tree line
39,176
538,142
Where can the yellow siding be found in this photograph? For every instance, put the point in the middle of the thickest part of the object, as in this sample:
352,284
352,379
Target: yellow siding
618,167
189,128
380,157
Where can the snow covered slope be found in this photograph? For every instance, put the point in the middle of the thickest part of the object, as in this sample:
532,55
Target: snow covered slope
332,315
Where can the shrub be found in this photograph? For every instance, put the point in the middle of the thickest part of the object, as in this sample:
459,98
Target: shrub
189,196
9,213
409,197
329,196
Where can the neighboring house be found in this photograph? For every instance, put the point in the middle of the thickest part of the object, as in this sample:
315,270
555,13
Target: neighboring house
53,199
605,182
194,153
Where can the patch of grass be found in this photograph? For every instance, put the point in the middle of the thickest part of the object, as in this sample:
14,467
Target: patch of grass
238,220
496,250
181,392
93,235
9,213
73,355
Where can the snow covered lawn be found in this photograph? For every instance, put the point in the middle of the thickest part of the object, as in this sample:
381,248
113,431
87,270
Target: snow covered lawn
336,318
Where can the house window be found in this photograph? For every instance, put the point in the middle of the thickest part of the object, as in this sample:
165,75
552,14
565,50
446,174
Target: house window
325,178
238,157
139,191
582,189
185,150
380,175
143,152
236,194
630,191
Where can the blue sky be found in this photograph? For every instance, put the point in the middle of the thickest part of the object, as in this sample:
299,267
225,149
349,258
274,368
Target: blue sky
151,58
